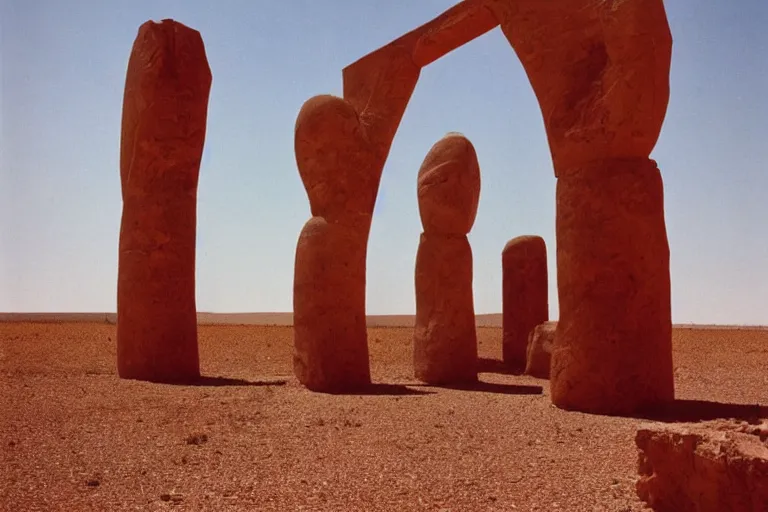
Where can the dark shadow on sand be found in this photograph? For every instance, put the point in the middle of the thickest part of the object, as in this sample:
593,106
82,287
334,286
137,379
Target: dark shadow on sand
691,411
225,381
384,390
486,365
492,387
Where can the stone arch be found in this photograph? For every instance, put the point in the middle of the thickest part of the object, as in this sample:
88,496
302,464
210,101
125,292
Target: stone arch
600,72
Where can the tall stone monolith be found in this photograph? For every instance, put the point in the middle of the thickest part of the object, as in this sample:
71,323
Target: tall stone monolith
330,337
163,132
525,292
445,341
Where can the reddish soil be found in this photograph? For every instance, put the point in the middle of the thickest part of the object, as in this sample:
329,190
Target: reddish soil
74,437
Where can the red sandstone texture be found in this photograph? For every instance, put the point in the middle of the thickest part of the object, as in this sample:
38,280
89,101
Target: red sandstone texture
613,353
539,354
75,437
709,467
525,295
330,340
600,71
163,131
445,342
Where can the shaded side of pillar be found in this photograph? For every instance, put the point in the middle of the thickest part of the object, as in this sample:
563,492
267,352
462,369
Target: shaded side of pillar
525,292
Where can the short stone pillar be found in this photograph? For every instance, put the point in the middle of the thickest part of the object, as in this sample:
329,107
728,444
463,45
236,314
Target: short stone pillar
525,295
541,341
445,341
165,108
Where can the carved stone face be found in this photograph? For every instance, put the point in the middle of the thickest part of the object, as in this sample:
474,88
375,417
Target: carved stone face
449,186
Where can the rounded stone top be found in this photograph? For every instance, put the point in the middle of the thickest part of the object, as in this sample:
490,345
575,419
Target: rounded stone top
525,246
332,154
531,240
449,186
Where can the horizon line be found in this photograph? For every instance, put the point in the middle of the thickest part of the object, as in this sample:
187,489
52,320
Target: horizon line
285,318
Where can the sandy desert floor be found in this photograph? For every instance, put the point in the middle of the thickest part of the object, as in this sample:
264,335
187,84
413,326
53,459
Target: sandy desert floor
74,437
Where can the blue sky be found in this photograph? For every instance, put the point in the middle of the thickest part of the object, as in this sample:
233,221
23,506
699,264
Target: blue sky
62,75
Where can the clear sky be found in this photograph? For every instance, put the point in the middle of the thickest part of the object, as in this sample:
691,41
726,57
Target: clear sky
63,69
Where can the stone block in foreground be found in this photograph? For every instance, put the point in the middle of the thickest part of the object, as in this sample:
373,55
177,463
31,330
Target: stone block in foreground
718,466
539,353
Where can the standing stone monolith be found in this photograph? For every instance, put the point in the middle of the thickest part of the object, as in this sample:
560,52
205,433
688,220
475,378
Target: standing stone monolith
330,336
524,295
165,110
445,341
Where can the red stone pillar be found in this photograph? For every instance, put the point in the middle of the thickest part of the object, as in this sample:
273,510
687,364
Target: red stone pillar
613,350
600,72
445,341
163,131
524,295
330,333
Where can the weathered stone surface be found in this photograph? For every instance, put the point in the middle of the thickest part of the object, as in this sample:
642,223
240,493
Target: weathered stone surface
332,153
163,132
718,466
449,187
525,295
614,348
541,341
330,337
600,71
445,341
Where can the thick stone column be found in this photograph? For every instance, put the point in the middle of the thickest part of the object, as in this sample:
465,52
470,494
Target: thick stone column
330,336
524,295
163,131
445,341
614,289
600,71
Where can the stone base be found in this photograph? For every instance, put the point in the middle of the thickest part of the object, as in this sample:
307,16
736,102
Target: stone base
444,338
330,340
539,354
719,466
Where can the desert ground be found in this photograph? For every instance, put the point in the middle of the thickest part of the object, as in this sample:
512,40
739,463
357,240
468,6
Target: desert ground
248,437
